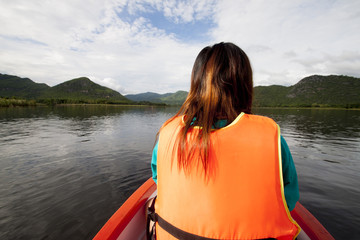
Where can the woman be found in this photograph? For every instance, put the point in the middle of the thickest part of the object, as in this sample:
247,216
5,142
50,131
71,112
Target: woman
223,173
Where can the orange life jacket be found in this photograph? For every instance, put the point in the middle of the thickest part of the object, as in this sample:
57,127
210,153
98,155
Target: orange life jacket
243,196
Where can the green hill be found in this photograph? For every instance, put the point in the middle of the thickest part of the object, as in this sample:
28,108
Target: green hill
312,91
13,86
147,97
83,89
176,98
79,90
269,95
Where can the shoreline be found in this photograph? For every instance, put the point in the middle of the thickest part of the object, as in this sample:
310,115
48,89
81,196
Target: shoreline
163,106
10,103
312,108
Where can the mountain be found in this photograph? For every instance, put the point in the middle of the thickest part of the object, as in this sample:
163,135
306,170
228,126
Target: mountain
82,89
13,86
176,98
147,97
312,91
269,95
333,90
79,90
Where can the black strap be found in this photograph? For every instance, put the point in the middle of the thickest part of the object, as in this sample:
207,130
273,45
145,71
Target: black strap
182,235
151,233
178,233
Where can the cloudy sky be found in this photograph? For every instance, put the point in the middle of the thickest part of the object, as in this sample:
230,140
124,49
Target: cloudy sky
136,46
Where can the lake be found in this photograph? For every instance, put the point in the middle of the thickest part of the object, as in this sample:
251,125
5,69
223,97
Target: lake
65,170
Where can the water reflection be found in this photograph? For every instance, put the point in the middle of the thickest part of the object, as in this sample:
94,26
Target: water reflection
325,146
65,170
317,122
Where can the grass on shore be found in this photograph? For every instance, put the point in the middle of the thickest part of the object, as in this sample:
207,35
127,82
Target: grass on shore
13,102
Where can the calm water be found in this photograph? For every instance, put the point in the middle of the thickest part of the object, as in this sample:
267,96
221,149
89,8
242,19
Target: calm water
65,170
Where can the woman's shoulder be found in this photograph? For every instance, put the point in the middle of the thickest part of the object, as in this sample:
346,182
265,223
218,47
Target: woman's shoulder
260,118
173,121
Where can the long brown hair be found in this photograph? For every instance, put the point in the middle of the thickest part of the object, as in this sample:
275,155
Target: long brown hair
221,88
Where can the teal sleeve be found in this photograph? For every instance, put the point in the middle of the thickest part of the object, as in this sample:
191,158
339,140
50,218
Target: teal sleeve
154,162
291,187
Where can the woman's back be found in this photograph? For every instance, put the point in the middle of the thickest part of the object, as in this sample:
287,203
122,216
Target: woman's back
227,183
238,198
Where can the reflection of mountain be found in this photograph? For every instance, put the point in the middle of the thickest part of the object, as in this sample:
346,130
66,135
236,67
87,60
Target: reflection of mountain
84,121
87,111
82,127
315,123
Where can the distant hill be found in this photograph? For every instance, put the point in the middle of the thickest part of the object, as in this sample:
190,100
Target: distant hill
147,97
312,91
79,90
82,89
176,98
13,86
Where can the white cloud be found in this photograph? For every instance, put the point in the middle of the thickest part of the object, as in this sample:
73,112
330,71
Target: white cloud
92,41
177,11
118,45
286,30
109,82
345,63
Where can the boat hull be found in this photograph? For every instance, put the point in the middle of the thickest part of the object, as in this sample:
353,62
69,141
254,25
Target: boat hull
128,222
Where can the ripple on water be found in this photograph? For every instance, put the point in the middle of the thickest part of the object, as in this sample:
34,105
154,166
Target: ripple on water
64,171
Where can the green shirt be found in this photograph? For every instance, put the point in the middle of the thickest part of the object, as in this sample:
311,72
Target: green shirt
291,187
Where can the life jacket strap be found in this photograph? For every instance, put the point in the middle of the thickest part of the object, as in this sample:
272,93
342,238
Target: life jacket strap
176,232
150,230
180,234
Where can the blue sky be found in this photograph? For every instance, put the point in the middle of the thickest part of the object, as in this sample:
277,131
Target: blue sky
137,46
187,30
